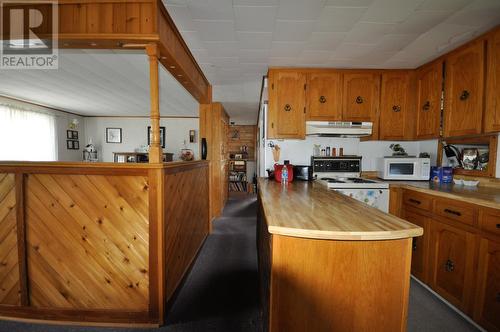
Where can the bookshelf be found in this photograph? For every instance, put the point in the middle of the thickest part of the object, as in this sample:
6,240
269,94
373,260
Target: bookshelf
238,181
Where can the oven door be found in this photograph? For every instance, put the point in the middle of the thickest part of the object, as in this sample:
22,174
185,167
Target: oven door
378,198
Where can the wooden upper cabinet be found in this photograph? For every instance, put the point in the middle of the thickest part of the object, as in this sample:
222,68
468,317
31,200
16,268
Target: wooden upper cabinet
464,88
394,105
360,95
492,111
287,104
324,96
429,91
452,268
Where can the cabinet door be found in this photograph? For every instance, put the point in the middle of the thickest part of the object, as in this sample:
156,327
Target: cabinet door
492,112
487,306
324,96
452,267
463,107
361,95
420,246
429,90
287,105
394,108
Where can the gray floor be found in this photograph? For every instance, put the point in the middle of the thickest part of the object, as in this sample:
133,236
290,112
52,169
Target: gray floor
220,293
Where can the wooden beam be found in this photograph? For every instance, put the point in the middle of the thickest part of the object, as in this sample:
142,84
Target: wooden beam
21,240
155,149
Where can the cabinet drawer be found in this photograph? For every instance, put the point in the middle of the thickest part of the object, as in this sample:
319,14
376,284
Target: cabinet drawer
490,221
461,212
417,200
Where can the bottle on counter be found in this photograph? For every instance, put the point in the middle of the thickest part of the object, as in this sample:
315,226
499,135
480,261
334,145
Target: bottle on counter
323,153
327,151
284,175
316,150
334,152
341,152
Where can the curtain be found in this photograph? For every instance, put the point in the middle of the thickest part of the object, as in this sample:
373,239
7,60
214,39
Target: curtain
27,135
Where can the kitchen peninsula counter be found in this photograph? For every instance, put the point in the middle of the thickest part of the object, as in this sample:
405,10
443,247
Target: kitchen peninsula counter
310,210
330,263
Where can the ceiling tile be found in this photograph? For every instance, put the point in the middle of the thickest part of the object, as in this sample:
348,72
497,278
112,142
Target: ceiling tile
300,10
211,9
338,19
259,40
325,41
477,17
390,11
215,30
253,56
192,39
369,33
226,61
256,2
183,18
292,30
349,3
394,42
255,18
421,21
218,49
282,61
446,5
314,57
286,49
351,50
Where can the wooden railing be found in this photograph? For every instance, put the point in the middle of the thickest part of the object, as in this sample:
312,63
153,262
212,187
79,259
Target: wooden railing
92,243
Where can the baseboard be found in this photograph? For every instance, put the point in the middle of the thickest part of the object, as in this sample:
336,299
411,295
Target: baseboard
467,318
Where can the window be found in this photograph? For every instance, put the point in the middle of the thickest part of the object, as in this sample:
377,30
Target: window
26,134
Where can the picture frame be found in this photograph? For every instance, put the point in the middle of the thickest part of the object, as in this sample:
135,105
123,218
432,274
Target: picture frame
113,135
71,134
162,136
72,145
76,145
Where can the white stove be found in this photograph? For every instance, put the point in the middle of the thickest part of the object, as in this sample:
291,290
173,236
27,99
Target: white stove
343,174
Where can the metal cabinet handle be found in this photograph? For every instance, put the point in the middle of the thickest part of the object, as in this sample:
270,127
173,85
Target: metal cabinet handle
456,213
396,108
359,100
464,95
449,266
288,108
412,200
322,99
426,106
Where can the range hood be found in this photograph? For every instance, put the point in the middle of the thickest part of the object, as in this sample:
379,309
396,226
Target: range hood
338,129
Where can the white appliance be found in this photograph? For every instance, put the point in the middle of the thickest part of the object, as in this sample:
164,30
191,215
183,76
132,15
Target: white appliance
404,168
342,174
338,129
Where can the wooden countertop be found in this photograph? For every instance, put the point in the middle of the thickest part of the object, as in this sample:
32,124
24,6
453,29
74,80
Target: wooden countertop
310,210
480,195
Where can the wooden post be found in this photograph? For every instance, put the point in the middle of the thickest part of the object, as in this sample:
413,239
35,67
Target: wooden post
155,149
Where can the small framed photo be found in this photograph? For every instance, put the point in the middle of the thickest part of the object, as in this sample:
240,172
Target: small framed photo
71,134
162,136
75,134
72,145
113,135
69,145
76,145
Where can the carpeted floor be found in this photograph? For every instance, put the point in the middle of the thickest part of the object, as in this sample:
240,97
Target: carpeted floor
220,293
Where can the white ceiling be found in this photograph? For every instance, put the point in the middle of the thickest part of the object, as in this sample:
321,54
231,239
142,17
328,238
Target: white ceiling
235,41
99,82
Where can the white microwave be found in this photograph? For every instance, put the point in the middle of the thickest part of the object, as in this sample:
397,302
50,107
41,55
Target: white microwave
395,168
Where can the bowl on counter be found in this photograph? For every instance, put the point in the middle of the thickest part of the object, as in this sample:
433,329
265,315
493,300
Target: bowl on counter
458,182
471,183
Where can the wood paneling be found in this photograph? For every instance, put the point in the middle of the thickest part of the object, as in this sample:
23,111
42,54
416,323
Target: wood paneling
319,285
324,96
101,224
492,111
247,135
9,262
464,88
429,87
186,222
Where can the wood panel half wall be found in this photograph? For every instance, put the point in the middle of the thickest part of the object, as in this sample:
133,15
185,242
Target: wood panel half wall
103,244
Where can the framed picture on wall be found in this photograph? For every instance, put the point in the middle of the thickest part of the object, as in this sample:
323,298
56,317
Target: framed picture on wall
162,136
113,135
71,134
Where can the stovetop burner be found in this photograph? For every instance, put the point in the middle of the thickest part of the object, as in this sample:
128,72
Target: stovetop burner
360,180
332,180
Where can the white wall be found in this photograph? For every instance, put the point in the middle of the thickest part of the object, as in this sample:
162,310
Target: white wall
134,134
299,152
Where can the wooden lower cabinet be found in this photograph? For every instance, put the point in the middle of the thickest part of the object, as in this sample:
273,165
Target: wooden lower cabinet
487,305
420,245
452,264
